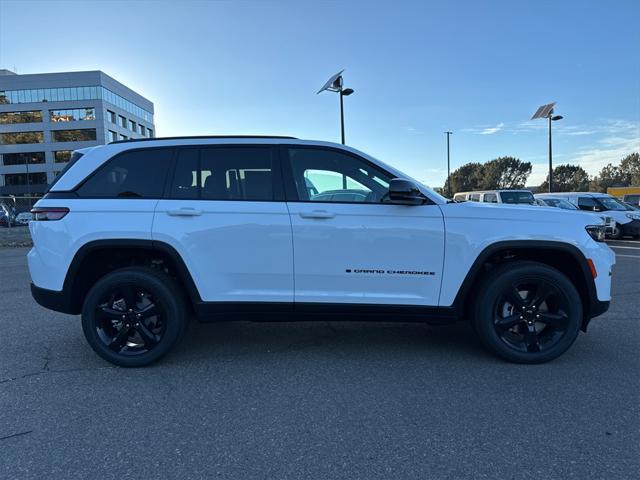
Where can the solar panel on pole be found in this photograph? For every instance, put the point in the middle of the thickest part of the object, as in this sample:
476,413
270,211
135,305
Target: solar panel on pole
544,111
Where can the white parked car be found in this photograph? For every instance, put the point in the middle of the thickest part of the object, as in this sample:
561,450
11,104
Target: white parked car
23,218
137,236
626,219
497,196
557,202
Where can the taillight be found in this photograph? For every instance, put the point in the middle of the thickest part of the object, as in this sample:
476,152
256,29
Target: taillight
42,214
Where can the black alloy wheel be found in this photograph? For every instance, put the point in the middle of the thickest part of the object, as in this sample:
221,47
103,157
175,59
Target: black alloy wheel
133,316
527,312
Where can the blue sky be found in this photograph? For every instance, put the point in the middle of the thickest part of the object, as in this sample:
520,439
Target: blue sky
479,69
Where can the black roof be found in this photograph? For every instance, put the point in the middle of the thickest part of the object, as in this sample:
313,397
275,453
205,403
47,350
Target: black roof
200,137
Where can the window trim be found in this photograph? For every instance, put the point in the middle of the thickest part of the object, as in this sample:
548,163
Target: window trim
276,178
291,193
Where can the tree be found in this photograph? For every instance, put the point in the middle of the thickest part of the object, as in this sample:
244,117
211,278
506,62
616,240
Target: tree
630,169
466,178
505,172
567,178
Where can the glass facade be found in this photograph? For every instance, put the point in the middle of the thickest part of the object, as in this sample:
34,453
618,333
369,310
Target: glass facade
20,117
21,137
72,115
84,135
21,158
74,93
11,179
62,156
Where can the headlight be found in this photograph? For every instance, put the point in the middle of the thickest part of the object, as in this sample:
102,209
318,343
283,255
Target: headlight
633,216
597,232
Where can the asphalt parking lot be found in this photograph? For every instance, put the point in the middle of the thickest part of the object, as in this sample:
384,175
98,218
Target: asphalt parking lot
318,400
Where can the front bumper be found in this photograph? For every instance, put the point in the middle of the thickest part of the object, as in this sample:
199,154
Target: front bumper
632,228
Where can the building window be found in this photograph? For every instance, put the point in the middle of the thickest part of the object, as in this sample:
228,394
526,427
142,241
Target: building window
143,131
21,117
74,93
72,115
21,137
85,135
150,133
123,122
111,116
62,156
123,137
21,158
113,136
17,179
132,126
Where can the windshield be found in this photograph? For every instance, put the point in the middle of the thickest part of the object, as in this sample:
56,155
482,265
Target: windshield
560,203
610,203
517,197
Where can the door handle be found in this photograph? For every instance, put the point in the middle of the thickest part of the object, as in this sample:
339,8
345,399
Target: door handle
184,212
317,214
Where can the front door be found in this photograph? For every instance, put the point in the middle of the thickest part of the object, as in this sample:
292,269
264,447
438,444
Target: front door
224,213
350,245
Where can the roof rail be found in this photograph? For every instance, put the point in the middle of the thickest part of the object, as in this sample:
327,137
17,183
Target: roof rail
200,137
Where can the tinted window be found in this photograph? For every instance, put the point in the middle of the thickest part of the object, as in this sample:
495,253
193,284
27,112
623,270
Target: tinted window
586,203
134,174
322,175
517,197
491,198
225,173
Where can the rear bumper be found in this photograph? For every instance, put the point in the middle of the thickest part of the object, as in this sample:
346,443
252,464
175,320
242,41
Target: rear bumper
53,299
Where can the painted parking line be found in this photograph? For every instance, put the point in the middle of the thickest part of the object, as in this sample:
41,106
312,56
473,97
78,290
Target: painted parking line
624,241
629,256
628,248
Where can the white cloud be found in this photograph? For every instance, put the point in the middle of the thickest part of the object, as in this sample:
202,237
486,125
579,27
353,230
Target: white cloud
492,130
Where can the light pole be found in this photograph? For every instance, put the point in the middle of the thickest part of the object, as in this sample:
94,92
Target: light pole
448,165
335,84
546,111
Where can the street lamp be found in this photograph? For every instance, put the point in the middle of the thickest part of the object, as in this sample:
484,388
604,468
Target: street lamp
448,166
335,84
546,111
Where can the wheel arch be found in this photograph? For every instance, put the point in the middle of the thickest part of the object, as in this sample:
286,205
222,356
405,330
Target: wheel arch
564,257
97,258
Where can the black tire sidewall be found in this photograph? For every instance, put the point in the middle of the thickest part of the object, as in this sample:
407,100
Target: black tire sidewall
165,292
505,276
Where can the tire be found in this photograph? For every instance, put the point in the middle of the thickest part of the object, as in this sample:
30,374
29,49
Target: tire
524,328
133,316
616,234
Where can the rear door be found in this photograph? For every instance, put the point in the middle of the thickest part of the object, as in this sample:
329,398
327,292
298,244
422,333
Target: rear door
352,247
224,212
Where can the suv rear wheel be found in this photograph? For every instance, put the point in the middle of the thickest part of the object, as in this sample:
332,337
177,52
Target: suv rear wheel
133,316
527,312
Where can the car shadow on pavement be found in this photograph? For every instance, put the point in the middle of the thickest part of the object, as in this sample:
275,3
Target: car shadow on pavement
254,339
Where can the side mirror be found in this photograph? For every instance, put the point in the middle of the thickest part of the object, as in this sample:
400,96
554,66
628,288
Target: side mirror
405,192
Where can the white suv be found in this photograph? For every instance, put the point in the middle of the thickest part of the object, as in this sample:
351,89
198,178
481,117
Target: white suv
139,235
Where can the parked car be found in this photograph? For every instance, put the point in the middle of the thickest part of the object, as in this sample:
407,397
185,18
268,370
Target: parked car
564,204
632,205
627,220
633,199
138,236
497,196
23,218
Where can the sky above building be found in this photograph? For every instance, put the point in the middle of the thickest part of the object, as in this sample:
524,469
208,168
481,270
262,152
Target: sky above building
479,69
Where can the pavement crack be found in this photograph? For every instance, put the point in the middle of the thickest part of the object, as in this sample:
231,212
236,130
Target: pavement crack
46,371
16,435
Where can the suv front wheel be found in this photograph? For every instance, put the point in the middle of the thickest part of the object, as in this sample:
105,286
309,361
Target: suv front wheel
527,312
133,316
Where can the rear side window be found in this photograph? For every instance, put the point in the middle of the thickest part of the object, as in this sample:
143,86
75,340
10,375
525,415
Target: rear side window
491,198
132,174
224,173
586,203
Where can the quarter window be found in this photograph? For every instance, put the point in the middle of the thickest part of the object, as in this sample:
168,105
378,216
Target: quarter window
132,174
322,175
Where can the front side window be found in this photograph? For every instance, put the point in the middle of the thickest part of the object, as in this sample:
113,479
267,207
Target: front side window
324,175
224,173
586,203
84,135
132,174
